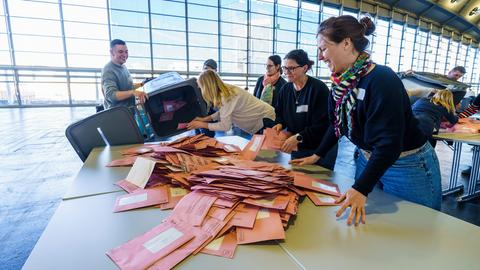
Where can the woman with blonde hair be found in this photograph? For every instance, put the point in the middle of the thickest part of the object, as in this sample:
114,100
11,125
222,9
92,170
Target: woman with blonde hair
430,111
235,106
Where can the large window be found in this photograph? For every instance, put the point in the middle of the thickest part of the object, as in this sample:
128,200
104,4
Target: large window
52,52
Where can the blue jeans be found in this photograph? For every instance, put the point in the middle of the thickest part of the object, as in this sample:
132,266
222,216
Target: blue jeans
415,177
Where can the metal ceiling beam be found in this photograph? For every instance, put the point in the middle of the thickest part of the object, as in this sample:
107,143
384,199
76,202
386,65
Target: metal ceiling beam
432,6
449,19
395,3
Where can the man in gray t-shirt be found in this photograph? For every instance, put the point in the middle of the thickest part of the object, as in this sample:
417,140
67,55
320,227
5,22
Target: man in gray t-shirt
117,84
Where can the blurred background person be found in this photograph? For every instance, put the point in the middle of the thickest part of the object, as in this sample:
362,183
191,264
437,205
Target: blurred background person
269,85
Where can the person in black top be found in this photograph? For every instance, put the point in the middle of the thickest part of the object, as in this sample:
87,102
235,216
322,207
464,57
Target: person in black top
430,111
268,85
370,106
302,108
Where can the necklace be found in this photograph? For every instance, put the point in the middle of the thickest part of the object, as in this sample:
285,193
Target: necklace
297,95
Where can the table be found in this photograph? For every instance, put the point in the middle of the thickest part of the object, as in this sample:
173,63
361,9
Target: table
458,140
398,235
95,179
83,229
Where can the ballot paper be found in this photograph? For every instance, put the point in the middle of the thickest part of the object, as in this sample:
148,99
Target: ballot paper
182,125
141,252
141,198
140,172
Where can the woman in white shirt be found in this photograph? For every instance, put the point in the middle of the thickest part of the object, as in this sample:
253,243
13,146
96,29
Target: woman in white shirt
235,106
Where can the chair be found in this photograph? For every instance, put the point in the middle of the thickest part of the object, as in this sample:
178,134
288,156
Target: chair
115,126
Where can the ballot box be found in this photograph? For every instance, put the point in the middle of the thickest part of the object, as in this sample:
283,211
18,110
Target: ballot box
420,84
172,101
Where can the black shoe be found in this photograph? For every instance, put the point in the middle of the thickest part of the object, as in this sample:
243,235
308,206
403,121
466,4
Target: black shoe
467,171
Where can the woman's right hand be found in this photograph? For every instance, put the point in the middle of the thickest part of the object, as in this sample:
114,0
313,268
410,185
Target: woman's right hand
277,127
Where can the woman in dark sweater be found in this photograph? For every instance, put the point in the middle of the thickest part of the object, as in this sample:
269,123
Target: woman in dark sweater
268,85
430,111
302,108
370,106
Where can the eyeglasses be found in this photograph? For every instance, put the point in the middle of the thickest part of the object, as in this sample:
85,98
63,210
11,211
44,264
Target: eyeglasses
269,66
289,69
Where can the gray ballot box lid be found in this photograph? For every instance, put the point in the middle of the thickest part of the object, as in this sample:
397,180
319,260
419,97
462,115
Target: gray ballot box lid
420,84
173,100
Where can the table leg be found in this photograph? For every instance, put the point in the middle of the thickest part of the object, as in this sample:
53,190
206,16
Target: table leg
474,175
452,186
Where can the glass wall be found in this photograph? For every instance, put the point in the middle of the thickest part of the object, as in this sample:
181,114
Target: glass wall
52,52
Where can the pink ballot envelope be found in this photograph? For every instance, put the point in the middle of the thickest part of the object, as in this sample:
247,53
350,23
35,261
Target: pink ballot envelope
182,125
127,186
268,226
143,251
223,246
141,198
193,208
172,259
253,147
308,182
321,199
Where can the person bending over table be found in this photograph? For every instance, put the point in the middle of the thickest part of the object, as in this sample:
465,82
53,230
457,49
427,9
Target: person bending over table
302,109
269,85
235,106
430,111
370,106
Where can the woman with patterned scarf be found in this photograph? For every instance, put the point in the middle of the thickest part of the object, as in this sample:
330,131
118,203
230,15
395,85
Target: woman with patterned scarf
369,105
268,85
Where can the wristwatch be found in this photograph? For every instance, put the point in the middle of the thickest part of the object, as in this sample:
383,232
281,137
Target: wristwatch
299,138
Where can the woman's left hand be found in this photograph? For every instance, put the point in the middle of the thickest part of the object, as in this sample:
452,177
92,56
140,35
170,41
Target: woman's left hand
197,124
289,144
356,201
305,161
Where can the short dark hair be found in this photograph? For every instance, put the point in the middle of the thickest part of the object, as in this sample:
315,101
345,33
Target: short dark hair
339,28
116,42
460,69
301,57
210,63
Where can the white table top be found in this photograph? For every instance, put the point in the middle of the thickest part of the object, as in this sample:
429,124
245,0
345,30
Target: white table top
398,235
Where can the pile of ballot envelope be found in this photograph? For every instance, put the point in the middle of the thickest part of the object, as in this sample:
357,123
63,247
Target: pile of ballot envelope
220,198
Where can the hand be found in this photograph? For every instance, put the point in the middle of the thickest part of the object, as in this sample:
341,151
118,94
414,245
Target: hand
289,144
201,119
277,127
356,201
197,124
305,161
146,80
142,96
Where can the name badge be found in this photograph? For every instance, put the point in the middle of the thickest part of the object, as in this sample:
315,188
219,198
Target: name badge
361,94
302,108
